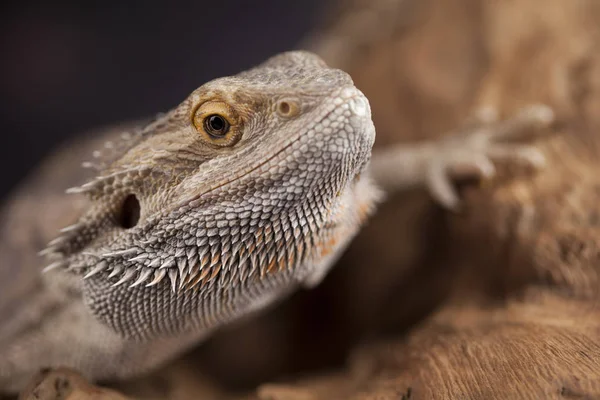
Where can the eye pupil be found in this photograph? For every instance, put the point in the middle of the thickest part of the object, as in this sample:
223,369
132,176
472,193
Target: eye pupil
216,125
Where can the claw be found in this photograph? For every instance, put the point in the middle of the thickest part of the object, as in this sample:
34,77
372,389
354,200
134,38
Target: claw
484,167
533,156
478,165
441,188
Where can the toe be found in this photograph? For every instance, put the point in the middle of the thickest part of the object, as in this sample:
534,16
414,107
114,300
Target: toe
521,154
529,122
472,166
441,188
485,115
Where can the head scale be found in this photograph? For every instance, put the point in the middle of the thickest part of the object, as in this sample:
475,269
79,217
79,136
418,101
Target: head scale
235,188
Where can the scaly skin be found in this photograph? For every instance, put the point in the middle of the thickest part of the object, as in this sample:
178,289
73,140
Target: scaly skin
183,230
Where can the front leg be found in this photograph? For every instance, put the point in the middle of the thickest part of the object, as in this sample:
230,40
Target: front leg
467,153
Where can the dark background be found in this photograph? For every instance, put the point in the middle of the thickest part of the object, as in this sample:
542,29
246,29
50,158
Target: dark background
65,69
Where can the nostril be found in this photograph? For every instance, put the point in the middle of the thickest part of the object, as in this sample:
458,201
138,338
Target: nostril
130,212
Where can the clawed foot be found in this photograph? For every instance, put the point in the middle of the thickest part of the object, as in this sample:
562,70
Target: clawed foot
472,154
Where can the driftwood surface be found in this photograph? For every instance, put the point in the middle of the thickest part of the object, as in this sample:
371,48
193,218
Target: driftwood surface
499,301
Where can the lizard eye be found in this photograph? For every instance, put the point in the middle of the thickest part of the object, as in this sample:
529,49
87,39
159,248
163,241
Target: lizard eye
218,123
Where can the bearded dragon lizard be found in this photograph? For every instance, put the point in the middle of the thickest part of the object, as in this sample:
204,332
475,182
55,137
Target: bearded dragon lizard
249,189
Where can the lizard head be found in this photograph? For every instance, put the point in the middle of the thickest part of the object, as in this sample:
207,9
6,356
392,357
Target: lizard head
241,184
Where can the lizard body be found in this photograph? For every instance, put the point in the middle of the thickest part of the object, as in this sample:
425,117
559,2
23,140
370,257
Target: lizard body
250,188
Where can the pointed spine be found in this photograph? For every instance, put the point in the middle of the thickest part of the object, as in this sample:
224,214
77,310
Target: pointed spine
158,277
143,277
101,266
129,273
